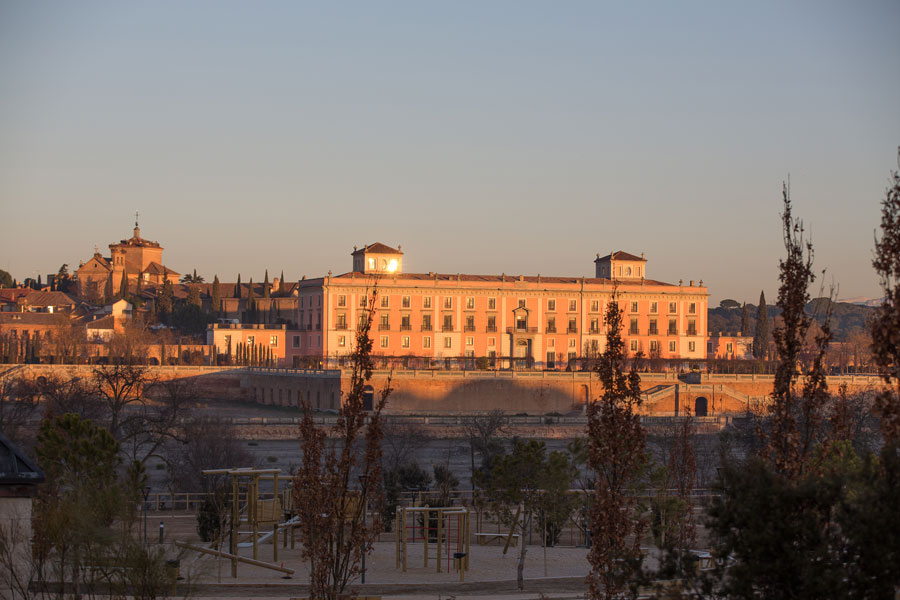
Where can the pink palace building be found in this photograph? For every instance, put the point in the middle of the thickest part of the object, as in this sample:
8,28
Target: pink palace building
538,321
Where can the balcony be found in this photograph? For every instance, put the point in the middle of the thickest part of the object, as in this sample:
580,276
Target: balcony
405,327
571,329
632,331
521,330
550,329
426,327
691,331
491,329
594,331
672,331
384,327
469,328
447,328
341,326
653,331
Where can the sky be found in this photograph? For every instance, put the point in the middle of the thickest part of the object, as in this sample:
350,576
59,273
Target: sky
484,137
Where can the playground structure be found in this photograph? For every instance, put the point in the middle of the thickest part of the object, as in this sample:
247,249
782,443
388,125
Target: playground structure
446,527
256,513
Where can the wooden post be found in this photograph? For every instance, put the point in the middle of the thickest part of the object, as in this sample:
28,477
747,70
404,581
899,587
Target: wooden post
425,537
397,537
440,529
404,540
468,537
252,507
235,517
275,543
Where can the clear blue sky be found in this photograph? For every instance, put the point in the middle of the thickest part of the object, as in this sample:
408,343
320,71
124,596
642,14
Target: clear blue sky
485,137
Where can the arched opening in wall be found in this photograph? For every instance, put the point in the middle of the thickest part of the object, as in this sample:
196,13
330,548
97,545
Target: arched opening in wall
700,407
368,397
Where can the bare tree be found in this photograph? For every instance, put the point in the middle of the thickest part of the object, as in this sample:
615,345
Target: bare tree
483,432
18,409
402,442
334,532
204,444
797,415
616,452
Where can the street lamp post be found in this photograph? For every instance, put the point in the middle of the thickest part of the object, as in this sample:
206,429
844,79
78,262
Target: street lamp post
146,491
365,500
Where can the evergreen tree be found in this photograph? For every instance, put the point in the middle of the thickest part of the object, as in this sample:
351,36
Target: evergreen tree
36,347
39,284
193,298
123,286
108,290
745,320
216,300
266,293
166,301
237,287
281,282
29,349
761,337
251,303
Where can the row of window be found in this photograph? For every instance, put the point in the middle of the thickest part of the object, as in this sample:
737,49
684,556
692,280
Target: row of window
521,324
406,302
635,345
654,346
250,340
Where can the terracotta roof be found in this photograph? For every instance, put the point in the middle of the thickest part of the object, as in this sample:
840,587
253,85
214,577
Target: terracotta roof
155,268
107,322
29,318
620,255
13,294
98,259
377,248
488,278
49,299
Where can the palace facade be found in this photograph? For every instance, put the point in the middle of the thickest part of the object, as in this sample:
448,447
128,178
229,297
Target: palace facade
546,321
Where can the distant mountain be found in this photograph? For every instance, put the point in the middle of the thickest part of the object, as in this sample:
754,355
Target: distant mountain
863,301
846,317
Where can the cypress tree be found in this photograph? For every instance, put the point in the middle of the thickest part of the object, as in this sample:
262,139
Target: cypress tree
761,338
281,281
216,300
251,303
108,290
36,346
166,300
745,320
194,296
237,287
39,284
29,349
123,286
266,293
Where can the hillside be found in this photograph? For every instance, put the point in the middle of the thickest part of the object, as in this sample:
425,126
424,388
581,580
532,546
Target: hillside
846,319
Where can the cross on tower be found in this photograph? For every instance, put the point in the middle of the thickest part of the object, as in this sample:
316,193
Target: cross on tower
136,214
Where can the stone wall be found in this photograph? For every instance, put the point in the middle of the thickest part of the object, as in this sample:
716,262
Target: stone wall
210,382
532,392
